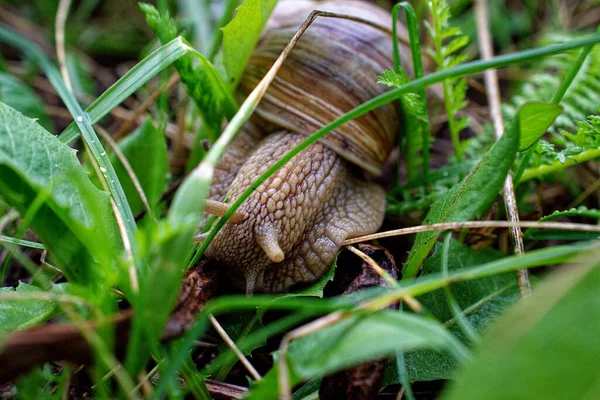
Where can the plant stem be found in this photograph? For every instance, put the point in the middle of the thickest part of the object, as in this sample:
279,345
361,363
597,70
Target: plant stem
415,48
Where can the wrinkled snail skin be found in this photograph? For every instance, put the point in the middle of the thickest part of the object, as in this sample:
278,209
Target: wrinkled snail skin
298,219
295,222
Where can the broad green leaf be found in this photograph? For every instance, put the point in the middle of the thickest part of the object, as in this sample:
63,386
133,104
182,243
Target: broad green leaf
241,35
547,347
22,314
363,338
473,195
355,340
146,152
73,218
487,298
534,121
22,98
470,293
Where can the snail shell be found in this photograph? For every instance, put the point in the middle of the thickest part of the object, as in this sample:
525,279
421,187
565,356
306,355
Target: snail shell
332,69
294,224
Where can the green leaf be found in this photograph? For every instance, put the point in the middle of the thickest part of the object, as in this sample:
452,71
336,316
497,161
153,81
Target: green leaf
488,298
534,121
366,337
474,195
44,383
469,293
146,152
22,98
547,347
22,314
241,35
355,340
73,219
558,234
133,79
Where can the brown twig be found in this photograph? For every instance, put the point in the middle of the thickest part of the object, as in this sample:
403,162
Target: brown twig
569,226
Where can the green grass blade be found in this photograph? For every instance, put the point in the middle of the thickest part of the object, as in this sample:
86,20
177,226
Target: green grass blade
84,124
21,242
135,78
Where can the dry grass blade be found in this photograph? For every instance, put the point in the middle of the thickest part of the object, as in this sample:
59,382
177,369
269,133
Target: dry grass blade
380,271
61,19
493,95
136,182
409,300
231,344
568,226
139,111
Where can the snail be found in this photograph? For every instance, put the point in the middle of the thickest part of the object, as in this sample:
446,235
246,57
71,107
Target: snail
292,227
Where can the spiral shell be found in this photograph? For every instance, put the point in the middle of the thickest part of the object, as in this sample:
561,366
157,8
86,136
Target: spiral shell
332,69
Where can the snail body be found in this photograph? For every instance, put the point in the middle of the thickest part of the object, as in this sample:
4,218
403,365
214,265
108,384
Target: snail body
294,224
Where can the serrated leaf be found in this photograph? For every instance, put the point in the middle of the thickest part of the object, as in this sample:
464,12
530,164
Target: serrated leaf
203,82
391,78
547,348
146,152
450,32
557,234
22,314
241,35
74,220
455,45
535,120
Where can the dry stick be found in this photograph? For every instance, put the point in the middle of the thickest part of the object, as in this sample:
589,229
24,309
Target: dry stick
130,121
568,226
409,300
235,349
380,271
493,95
136,182
61,18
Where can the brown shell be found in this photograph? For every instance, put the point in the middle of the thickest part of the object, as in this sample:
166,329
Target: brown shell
332,69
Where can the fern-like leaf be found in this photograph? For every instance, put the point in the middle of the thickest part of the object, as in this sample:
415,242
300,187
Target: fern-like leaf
203,83
448,42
